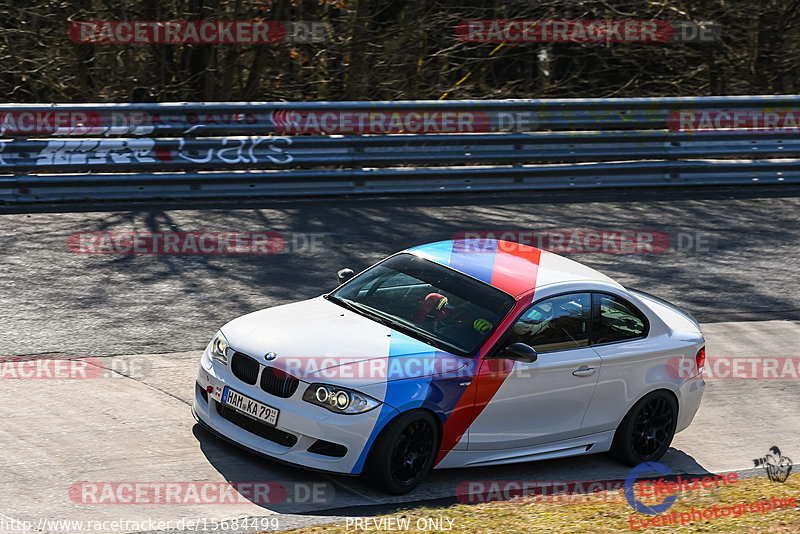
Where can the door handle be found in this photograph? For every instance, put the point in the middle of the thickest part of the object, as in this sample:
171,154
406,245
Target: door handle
584,371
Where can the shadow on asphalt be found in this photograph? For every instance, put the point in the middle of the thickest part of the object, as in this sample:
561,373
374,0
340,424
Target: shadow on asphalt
106,304
312,493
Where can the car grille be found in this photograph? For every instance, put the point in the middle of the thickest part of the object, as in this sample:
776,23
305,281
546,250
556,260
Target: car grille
256,427
278,383
244,368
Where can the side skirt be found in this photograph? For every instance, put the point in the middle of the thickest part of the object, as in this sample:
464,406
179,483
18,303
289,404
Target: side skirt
593,443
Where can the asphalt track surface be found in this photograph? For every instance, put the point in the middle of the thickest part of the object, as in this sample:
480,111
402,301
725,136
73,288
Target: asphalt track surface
147,318
56,302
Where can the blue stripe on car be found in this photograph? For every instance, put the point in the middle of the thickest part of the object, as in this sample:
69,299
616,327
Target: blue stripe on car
405,393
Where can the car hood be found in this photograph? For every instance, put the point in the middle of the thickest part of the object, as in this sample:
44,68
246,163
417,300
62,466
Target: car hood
318,341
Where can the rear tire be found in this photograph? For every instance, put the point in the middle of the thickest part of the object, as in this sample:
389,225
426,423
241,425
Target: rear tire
404,453
645,434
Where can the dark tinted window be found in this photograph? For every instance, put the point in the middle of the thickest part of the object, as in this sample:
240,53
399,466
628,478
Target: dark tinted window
556,323
616,320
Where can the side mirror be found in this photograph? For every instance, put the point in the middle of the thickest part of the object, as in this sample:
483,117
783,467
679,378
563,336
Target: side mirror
519,352
344,275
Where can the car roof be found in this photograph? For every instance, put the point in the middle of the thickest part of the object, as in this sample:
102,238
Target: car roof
511,267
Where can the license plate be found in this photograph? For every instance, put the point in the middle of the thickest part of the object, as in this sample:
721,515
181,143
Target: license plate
250,407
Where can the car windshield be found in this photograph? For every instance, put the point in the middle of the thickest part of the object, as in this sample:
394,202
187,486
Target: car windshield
428,301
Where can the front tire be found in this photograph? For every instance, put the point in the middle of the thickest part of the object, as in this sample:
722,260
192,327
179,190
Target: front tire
404,453
645,434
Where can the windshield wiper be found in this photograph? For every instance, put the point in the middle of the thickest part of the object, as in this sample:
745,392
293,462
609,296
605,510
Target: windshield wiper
345,304
359,309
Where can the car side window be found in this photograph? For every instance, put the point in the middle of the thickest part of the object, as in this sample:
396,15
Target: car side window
556,323
616,320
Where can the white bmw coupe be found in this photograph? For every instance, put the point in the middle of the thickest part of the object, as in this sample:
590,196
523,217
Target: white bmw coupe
452,354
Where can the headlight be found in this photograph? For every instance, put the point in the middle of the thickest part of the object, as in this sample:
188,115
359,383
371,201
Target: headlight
219,348
338,399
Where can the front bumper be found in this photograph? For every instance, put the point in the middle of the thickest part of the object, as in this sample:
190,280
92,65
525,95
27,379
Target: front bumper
304,422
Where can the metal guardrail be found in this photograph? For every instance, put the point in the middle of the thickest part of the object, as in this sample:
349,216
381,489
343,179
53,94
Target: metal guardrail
119,151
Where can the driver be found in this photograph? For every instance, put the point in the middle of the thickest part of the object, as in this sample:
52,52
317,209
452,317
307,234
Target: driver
431,310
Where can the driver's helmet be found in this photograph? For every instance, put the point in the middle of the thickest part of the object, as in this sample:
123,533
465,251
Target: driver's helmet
433,307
